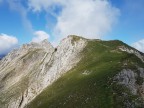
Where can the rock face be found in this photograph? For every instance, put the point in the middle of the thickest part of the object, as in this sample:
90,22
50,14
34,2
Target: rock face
134,83
132,51
25,72
132,80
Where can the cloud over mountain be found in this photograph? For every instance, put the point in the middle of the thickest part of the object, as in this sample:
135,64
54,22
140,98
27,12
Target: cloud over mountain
7,43
40,36
90,18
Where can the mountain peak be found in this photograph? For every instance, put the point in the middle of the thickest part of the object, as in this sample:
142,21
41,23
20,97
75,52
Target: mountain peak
45,41
43,44
72,40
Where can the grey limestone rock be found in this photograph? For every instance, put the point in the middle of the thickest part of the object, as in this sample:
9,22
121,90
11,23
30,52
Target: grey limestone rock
27,71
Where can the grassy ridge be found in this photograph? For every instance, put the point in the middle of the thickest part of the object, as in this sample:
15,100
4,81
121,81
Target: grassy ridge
90,83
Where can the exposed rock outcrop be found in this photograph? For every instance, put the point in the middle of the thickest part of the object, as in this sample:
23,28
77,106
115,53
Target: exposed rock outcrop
134,83
25,72
132,51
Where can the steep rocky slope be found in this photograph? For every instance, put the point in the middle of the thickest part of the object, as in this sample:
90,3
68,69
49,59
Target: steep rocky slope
79,73
25,72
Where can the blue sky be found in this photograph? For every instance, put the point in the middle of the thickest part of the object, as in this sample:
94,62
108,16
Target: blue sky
130,27
23,21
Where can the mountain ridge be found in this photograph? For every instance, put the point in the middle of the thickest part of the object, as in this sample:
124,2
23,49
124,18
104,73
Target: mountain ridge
105,77
25,73
36,63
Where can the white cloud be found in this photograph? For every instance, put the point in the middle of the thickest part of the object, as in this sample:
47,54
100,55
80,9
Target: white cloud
39,5
40,36
139,45
89,18
7,43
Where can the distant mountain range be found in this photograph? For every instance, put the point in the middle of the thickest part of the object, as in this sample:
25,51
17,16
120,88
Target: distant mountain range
79,73
1,56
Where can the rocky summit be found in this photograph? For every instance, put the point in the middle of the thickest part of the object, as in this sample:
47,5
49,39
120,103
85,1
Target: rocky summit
78,73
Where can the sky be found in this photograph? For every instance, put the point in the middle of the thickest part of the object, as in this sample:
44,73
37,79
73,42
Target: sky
25,21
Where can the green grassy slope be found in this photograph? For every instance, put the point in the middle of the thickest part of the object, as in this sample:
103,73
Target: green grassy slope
90,83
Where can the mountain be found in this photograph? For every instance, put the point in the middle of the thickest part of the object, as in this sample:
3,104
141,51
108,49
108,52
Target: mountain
79,73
